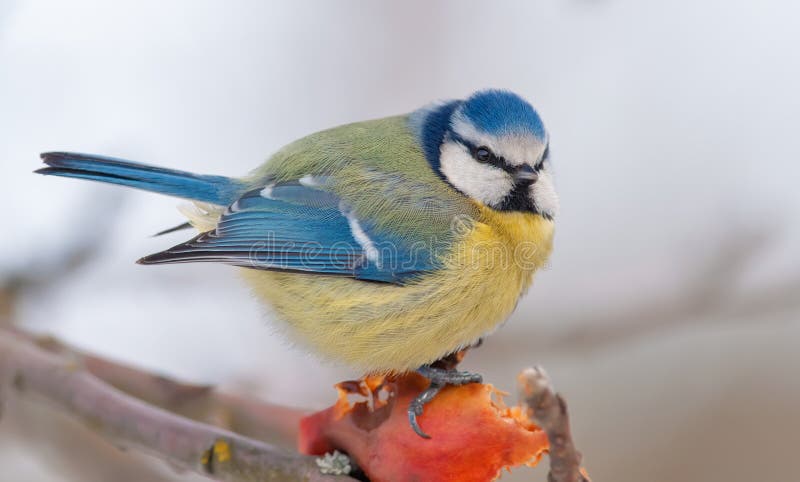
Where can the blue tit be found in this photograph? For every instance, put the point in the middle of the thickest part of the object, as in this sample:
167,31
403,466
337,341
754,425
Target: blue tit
387,244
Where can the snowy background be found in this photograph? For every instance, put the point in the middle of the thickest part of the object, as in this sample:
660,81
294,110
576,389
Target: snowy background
670,314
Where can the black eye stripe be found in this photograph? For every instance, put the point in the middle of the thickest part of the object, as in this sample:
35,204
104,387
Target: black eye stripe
545,156
494,159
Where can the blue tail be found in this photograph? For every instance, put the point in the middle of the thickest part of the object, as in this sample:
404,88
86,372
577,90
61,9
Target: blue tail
211,189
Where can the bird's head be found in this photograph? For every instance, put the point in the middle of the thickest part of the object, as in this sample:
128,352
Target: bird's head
492,147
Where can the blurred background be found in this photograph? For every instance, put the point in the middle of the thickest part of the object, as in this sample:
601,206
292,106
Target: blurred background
669,316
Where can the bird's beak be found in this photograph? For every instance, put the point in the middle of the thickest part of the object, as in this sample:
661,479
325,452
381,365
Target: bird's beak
525,174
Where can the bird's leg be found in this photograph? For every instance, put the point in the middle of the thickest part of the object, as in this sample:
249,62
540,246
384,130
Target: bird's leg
440,378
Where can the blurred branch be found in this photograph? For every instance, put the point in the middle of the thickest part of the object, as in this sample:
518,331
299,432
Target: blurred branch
26,367
549,411
711,291
255,419
165,418
51,432
97,213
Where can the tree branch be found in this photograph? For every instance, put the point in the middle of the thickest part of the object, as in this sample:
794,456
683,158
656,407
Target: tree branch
549,411
165,419
63,380
251,418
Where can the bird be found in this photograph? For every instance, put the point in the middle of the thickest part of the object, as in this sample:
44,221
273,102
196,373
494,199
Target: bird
386,245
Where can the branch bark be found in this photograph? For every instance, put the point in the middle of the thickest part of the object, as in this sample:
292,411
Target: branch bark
549,411
137,409
251,418
26,367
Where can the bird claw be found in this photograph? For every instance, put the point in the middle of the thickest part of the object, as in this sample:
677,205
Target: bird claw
439,377
413,412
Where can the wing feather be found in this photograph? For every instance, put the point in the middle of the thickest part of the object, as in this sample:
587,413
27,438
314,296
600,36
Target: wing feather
292,227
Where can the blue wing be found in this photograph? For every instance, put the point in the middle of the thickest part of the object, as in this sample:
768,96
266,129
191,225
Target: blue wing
294,226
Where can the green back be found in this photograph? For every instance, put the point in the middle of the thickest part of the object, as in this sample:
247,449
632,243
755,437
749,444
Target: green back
378,168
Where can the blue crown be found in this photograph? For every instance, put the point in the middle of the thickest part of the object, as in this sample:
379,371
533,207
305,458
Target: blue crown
500,112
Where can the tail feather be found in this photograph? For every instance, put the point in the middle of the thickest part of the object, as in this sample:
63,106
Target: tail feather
211,189
174,229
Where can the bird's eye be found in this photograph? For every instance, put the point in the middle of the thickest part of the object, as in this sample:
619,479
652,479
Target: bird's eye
483,154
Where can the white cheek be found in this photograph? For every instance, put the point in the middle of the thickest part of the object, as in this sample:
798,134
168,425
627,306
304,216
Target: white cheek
481,182
544,195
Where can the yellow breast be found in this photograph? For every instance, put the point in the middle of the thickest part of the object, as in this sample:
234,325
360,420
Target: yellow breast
389,328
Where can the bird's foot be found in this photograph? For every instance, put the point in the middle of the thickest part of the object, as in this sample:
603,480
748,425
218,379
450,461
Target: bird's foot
440,378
